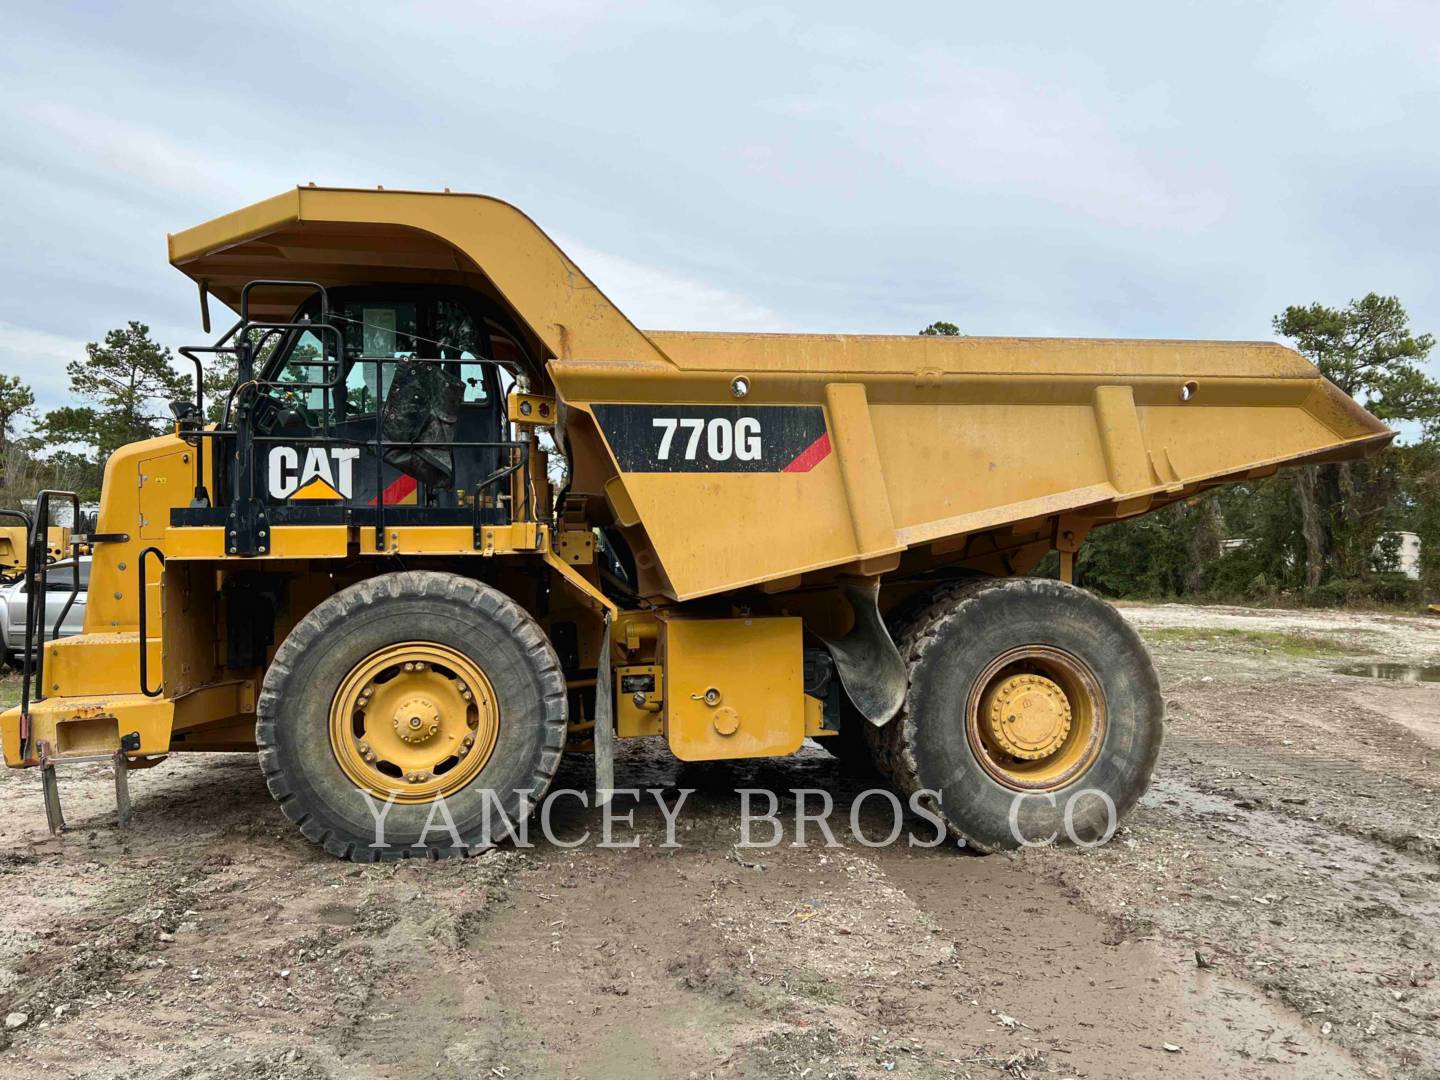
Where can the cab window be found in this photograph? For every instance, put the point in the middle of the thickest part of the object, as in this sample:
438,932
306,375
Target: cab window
375,329
460,339
301,367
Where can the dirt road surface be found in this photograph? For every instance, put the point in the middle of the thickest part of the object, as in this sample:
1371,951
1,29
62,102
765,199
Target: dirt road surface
1271,910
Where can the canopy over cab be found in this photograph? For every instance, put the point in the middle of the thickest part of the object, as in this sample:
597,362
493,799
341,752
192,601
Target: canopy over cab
337,237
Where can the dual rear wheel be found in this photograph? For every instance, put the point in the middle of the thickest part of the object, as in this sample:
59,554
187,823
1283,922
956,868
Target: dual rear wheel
1033,713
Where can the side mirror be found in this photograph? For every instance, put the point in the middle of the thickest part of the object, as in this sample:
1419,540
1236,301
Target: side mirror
187,416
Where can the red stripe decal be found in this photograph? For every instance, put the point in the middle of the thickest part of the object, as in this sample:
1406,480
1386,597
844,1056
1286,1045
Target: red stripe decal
811,456
403,486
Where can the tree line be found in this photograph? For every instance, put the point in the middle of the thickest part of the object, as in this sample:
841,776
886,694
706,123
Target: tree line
1311,534
121,388
1314,534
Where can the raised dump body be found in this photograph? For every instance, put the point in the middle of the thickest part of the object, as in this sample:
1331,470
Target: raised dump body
460,515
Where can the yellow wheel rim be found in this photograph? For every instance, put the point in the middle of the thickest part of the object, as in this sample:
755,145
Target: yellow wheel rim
414,721
1035,718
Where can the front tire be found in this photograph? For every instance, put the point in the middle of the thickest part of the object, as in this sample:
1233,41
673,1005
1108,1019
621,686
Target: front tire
411,689
1034,713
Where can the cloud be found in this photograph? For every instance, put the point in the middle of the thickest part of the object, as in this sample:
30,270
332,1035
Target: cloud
1131,170
117,151
39,358
655,298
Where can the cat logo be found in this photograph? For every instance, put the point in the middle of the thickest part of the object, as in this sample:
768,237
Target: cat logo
327,473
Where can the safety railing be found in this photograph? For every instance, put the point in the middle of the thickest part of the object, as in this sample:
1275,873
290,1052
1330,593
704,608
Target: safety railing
247,521
37,587
202,493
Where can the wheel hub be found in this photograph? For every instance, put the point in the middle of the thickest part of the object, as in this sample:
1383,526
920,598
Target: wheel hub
1035,718
414,721
1028,716
417,719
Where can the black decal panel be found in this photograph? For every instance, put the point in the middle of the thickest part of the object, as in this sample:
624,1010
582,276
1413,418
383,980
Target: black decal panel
715,438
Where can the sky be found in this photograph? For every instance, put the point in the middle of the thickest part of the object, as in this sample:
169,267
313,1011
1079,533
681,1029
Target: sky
1050,168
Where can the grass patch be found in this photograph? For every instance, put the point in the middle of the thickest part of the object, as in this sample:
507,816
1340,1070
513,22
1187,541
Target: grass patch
809,984
9,690
1288,643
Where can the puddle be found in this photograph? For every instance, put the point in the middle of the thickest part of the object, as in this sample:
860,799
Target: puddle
338,915
1393,672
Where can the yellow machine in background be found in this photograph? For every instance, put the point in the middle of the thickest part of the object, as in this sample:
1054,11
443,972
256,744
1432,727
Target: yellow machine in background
15,544
12,548
364,572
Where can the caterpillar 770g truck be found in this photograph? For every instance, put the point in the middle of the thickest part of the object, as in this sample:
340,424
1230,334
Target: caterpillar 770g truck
459,516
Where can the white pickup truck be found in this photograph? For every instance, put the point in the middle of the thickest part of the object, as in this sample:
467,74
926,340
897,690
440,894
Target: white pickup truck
59,582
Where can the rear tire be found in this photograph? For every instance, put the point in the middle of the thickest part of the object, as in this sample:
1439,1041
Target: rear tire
1075,657
322,786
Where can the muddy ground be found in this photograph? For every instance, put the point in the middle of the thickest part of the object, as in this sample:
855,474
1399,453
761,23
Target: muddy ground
1272,909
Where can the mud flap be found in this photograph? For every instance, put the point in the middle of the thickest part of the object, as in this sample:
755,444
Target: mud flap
604,732
871,668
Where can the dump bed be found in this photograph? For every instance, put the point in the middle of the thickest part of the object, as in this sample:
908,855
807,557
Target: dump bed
930,441
735,460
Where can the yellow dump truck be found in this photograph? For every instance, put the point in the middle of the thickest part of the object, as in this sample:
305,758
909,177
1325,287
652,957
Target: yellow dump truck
461,517
15,546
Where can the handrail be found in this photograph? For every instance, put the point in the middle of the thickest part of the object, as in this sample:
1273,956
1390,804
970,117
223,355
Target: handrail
379,457
493,479
202,494
74,560
320,329
283,282
344,440
144,636
37,562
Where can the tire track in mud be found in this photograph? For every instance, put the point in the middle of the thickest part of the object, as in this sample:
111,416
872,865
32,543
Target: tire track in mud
1291,837
1337,928
852,961
1292,852
209,941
